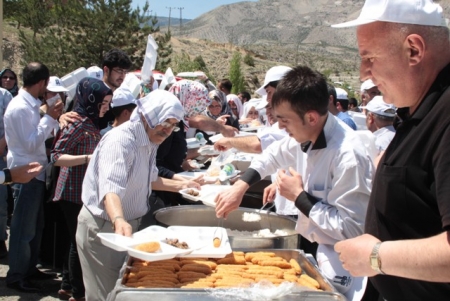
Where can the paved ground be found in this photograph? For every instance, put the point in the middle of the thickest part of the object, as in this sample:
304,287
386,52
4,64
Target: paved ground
49,287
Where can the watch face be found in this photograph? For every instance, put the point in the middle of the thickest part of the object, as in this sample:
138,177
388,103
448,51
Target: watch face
374,262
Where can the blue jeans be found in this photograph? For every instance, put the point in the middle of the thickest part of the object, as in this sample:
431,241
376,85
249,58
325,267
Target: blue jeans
26,229
3,205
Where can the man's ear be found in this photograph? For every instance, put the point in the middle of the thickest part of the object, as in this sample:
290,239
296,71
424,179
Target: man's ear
311,118
415,46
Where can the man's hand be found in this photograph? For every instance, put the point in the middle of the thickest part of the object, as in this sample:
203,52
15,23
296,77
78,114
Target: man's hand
222,145
25,173
222,119
122,227
288,186
191,184
56,110
269,193
229,131
354,254
230,199
68,118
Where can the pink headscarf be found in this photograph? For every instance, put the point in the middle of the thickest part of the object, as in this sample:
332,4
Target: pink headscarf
193,97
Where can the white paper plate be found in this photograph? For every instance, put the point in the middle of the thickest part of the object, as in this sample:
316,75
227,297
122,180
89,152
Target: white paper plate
215,178
208,150
207,195
190,74
194,143
251,128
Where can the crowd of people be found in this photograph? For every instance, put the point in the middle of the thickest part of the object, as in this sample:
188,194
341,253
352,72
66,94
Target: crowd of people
376,222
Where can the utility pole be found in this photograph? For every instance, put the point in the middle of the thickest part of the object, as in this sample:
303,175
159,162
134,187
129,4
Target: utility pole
181,18
170,12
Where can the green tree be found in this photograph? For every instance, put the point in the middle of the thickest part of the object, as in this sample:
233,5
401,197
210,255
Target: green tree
35,14
248,59
235,74
83,31
164,51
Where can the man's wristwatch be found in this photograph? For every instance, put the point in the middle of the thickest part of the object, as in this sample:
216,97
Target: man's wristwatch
8,177
375,260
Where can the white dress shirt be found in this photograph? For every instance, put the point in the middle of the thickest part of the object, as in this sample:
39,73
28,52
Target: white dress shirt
339,175
267,136
383,137
26,131
123,163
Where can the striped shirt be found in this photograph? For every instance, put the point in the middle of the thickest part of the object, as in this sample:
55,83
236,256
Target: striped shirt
123,163
80,138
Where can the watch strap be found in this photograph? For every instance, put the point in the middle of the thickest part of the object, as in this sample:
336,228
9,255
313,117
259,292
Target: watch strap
8,177
375,260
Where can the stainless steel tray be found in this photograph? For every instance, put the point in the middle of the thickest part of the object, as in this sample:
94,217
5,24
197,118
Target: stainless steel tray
124,293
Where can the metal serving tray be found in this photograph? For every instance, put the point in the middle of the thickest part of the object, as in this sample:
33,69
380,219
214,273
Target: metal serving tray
124,293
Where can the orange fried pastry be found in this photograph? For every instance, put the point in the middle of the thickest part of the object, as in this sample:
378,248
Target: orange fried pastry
280,264
307,279
149,247
217,242
249,256
290,277
232,260
196,267
209,263
296,266
266,272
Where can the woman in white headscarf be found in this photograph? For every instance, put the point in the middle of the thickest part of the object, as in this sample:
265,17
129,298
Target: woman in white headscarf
235,105
251,115
120,176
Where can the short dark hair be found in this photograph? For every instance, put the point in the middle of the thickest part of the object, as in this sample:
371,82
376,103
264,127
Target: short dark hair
332,92
245,95
273,84
116,58
118,110
344,103
304,89
33,73
226,83
353,101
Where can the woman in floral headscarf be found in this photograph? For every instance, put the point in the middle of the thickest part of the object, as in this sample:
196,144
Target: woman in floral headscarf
72,150
8,81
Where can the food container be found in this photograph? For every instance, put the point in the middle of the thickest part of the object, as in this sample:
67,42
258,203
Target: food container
124,293
197,215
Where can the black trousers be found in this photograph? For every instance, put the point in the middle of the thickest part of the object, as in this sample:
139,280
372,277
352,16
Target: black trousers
71,211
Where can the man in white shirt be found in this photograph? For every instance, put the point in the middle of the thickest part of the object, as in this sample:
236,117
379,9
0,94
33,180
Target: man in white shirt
25,135
379,119
333,192
267,135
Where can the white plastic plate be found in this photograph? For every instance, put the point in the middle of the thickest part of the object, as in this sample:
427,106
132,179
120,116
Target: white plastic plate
115,241
186,195
251,128
205,237
215,178
165,252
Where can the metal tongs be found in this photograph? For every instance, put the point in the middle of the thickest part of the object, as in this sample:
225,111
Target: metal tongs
271,205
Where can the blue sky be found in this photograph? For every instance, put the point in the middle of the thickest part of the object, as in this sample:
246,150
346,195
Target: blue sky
192,8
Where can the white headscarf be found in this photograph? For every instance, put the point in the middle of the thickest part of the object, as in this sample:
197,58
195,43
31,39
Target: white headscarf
157,107
248,105
237,102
